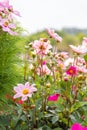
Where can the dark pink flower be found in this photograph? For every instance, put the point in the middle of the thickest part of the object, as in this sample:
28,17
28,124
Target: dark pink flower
72,71
53,97
44,62
78,126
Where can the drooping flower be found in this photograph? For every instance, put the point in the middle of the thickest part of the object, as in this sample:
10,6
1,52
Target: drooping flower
42,46
54,35
53,97
78,126
24,91
81,49
72,71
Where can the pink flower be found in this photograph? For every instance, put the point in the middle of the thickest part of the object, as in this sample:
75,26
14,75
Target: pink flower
79,49
64,55
61,64
82,69
84,42
24,91
44,70
53,97
42,46
11,10
54,35
77,126
72,71
7,26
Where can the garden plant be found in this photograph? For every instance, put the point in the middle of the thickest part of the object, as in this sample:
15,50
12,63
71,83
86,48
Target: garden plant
53,94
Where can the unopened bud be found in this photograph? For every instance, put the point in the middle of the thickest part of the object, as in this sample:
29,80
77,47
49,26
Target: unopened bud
48,85
32,106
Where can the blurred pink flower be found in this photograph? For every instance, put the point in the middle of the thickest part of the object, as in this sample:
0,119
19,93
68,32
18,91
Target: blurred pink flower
72,71
77,126
79,49
24,91
61,64
11,10
82,69
42,46
54,35
64,55
4,3
44,70
53,97
69,61
7,8
84,42
7,26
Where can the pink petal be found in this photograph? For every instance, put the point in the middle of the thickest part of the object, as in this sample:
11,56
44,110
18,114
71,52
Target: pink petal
17,95
76,126
24,98
53,97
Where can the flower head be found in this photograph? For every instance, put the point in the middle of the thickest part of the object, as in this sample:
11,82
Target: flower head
72,71
54,35
42,46
53,97
24,91
77,126
7,26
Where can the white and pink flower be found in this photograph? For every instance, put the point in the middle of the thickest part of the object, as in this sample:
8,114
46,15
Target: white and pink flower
81,49
7,26
24,91
42,46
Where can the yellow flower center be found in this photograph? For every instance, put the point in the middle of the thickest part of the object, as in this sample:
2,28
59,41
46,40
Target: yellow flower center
42,47
71,71
5,24
25,91
61,65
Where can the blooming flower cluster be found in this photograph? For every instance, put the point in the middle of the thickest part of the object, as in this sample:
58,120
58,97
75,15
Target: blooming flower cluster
60,80
6,17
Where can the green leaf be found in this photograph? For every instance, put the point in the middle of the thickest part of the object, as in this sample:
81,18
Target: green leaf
85,57
77,105
54,119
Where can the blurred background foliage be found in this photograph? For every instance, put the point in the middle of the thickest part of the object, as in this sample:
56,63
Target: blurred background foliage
12,51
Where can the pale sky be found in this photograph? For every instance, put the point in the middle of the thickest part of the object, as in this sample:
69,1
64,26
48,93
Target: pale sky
40,14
